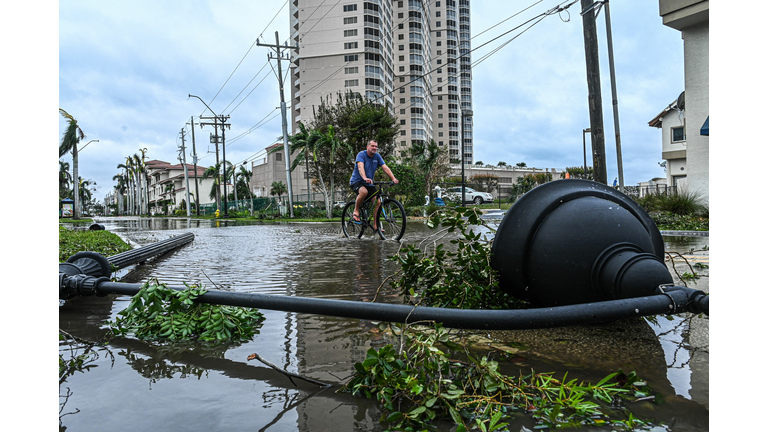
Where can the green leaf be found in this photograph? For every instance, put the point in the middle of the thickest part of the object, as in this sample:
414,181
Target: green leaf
395,416
418,410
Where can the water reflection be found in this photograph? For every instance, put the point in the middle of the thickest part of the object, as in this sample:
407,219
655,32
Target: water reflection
197,387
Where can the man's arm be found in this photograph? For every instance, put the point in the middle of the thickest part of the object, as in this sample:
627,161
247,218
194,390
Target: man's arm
389,173
361,170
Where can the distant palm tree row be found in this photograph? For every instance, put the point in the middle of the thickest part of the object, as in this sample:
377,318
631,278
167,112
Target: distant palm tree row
133,185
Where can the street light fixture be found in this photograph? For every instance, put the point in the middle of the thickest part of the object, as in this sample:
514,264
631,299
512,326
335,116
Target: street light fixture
464,114
584,138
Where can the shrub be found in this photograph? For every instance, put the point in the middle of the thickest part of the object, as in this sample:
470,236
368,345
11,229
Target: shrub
682,203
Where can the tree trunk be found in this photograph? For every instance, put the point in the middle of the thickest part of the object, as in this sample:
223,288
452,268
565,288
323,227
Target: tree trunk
76,213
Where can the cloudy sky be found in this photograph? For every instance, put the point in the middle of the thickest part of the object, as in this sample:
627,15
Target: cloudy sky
126,70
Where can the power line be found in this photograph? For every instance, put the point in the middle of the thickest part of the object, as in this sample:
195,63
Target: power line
246,54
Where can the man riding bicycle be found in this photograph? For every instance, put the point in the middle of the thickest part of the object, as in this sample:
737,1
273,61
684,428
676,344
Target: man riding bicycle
366,164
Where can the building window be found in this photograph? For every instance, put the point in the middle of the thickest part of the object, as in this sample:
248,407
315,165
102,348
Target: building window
350,58
350,20
402,100
350,45
350,70
437,23
678,134
350,8
402,111
437,14
348,33
278,157
402,68
401,47
402,122
351,83
400,15
402,132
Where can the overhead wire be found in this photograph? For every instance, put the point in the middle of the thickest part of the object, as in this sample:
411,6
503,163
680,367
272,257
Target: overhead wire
245,55
537,19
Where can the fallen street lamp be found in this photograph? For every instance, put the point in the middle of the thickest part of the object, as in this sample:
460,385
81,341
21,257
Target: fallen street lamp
620,274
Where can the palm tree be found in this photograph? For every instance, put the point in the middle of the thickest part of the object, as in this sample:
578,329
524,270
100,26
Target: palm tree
139,170
333,145
65,178
69,142
126,167
306,143
120,189
278,188
215,173
430,160
244,176
145,179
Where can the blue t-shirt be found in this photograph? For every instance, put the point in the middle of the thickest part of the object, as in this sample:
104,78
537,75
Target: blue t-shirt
371,164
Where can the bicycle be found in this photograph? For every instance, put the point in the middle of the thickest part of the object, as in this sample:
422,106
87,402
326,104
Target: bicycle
391,215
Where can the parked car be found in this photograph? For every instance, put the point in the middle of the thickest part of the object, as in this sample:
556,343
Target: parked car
470,195
339,204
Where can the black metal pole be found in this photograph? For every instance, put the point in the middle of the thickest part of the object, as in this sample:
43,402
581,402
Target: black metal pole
671,300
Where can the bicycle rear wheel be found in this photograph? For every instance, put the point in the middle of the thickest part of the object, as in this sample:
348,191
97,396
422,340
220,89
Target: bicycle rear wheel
391,217
348,224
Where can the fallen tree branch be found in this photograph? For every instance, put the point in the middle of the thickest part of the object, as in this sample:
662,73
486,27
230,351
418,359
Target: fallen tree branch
285,372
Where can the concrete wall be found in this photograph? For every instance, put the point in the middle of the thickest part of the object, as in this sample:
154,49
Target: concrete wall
697,106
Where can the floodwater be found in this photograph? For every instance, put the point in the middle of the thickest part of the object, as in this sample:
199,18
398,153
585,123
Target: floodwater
138,386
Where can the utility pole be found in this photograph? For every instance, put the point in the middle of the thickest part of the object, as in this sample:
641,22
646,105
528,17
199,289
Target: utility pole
613,93
595,95
280,57
183,161
215,139
194,161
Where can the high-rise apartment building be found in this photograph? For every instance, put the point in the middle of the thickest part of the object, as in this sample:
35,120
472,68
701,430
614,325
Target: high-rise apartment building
412,54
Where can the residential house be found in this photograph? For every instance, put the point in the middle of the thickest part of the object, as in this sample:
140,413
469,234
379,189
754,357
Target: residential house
168,190
672,123
270,168
691,17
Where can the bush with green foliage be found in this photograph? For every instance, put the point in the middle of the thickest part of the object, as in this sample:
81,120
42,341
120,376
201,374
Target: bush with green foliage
682,211
101,241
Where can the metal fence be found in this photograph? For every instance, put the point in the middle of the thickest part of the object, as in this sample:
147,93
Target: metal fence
272,206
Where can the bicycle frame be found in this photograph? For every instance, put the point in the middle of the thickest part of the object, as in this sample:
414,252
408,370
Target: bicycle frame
375,207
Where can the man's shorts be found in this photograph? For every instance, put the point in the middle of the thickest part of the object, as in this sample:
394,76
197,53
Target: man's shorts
356,187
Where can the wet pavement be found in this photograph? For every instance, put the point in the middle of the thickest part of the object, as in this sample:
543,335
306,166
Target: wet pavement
144,386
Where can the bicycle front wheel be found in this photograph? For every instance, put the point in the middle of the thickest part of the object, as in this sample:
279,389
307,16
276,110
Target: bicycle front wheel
391,217
348,224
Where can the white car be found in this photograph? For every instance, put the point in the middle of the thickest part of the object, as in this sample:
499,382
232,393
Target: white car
470,195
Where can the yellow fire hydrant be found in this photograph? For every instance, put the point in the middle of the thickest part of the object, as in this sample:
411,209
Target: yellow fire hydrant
217,213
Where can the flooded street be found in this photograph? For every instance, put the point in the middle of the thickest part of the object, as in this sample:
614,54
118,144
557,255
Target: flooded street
142,386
